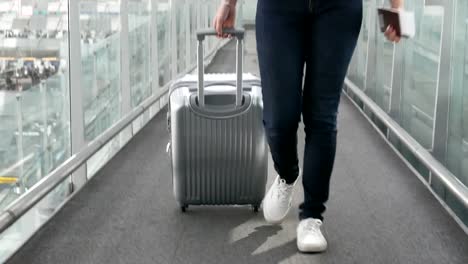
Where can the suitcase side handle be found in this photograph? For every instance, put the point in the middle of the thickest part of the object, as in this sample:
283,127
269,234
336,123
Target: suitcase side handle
239,33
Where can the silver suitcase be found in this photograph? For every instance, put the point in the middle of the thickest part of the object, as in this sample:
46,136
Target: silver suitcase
218,146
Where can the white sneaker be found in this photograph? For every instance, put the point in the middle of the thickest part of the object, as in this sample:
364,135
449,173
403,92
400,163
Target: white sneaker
277,201
310,237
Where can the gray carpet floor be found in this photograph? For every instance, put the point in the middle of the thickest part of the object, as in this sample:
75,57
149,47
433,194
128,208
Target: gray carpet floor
379,211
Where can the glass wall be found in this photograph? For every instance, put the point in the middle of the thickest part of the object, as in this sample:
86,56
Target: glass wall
139,26
37,67
421,73
181,36
34,106
34,93
164,41
100,25
193,25
249,9
457,158
378,85
357,71
409,82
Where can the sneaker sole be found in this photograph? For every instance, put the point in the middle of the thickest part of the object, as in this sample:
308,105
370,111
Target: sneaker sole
311,249
273,222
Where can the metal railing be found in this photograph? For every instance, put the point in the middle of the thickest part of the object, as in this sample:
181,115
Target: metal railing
452,183
414,91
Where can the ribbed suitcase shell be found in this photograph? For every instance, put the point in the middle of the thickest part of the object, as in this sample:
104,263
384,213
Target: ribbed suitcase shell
217,160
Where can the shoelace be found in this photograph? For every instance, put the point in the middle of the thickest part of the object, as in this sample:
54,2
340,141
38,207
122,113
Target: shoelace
313,225
284,190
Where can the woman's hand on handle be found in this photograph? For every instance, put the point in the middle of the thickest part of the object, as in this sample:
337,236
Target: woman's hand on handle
390,33
225,17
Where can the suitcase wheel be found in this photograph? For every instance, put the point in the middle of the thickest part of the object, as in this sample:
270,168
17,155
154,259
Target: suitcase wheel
255,207
183,208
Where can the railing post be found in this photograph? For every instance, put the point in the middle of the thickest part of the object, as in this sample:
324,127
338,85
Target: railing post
441,118
188,53
125,88
173,34
154,46
77,122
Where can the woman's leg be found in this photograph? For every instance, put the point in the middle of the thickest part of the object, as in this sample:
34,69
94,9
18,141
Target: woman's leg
280,47
332,30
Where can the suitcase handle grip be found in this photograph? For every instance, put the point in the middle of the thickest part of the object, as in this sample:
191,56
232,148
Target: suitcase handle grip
239,33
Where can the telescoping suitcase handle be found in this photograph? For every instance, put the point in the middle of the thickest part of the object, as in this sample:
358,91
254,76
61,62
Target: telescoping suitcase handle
239,34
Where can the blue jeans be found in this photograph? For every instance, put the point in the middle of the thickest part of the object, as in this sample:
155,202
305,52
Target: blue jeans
315,38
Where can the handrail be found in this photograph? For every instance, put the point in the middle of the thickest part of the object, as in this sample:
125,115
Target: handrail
26,201
12,168
452,183
47,184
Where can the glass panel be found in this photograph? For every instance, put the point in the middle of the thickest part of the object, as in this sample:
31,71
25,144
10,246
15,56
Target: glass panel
249,8
209,21
357,71
100,51
457,159
384,73
420,67
421,72
164,41
381,81
180,35
17,234
34,93
139,15
212,12
193,6
108,151
206,24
